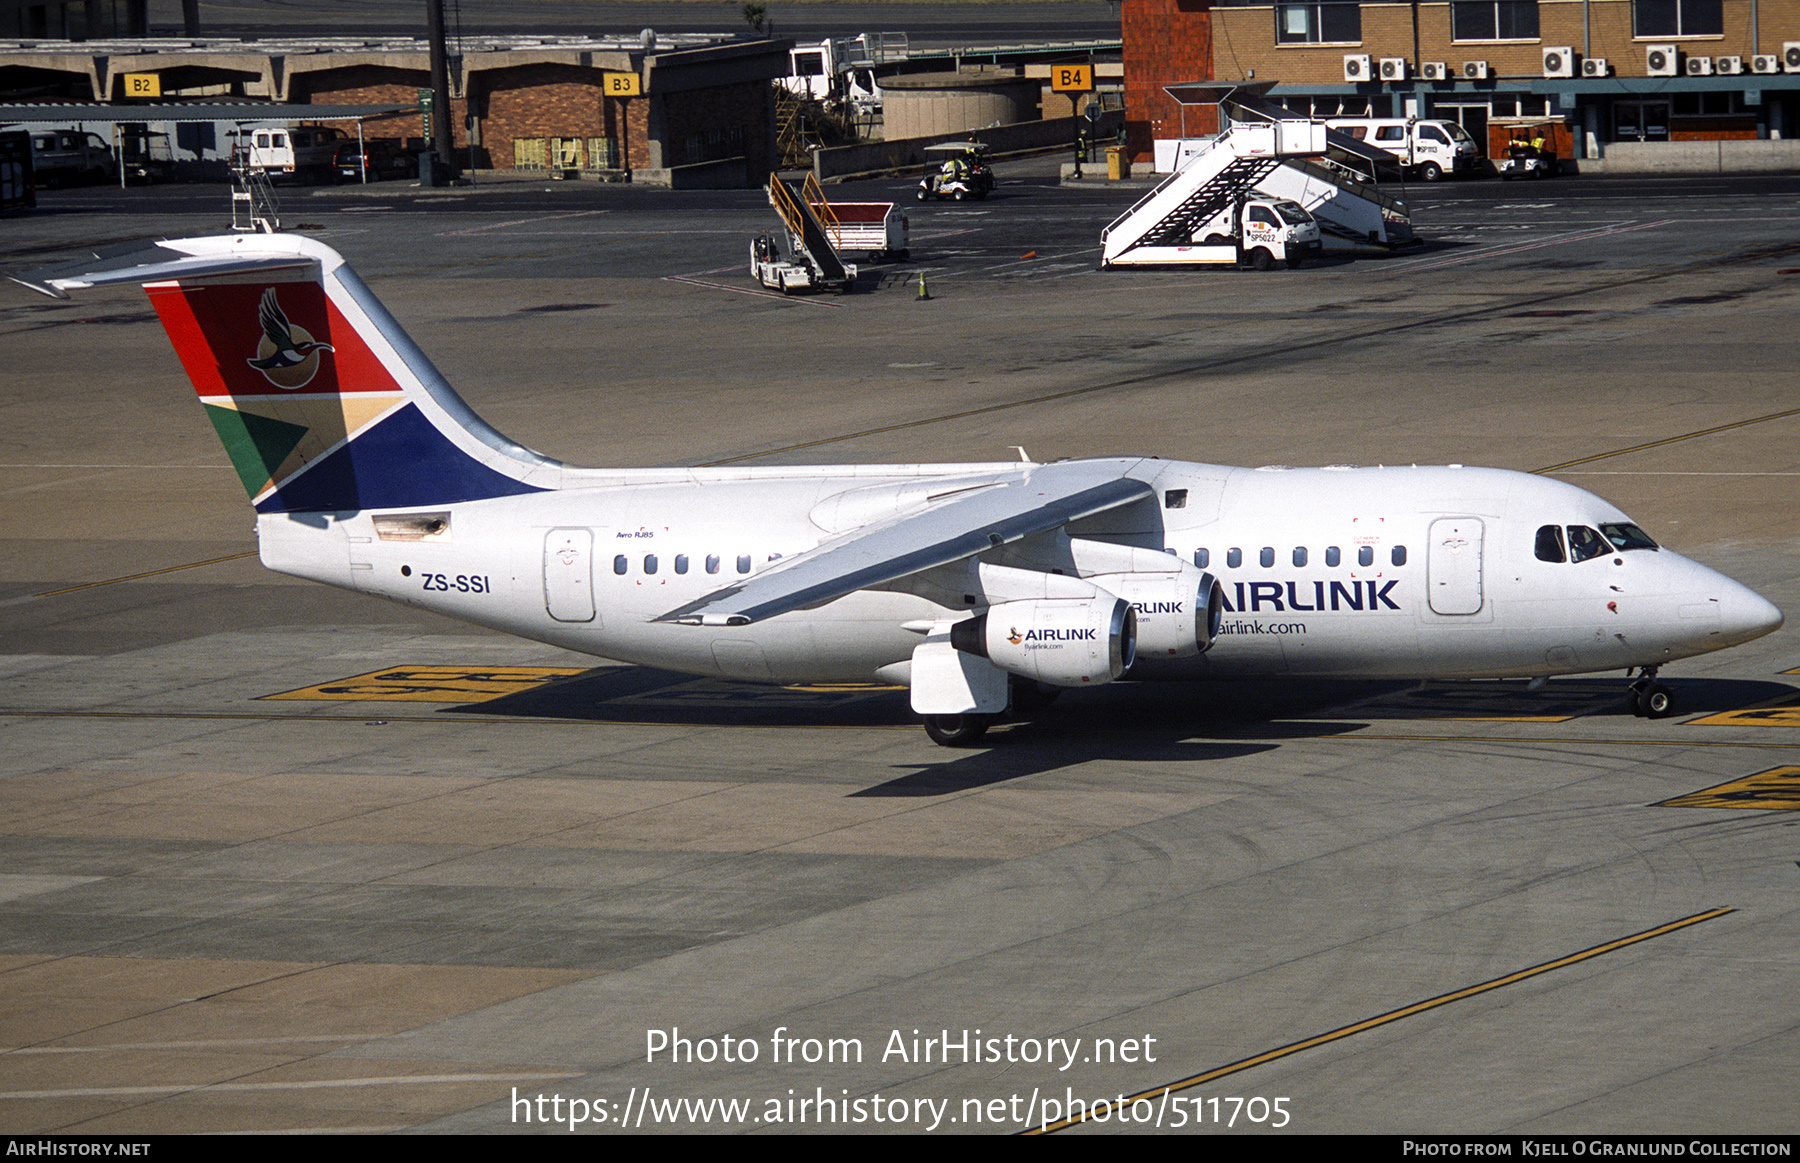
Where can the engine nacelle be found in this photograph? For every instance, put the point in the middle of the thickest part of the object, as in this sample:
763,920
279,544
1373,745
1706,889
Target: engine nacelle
1178,611
1060,641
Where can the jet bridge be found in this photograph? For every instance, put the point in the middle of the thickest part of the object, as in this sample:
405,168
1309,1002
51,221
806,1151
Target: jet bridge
1331,174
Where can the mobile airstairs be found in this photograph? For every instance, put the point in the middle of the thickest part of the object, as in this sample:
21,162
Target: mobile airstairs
1301,161
803,256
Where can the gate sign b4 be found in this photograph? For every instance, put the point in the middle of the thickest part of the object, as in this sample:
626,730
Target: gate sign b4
1071,78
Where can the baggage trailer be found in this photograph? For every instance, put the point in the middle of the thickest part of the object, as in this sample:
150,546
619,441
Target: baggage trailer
872,228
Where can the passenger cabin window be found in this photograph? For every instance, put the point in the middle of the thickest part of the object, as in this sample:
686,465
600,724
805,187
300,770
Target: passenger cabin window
1550,543
650,563
1299,555
1398,556
743,563
1584,543
1234,557
1332,556
681,563
1267,556
712,563
1202,557
1175,499
1365,555
620,565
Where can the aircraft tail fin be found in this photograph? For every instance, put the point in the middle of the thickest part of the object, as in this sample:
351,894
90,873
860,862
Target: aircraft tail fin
322,401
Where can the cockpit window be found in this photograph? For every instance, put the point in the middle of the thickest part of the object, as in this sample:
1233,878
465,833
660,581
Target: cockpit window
1585,543
1550,543
1625,537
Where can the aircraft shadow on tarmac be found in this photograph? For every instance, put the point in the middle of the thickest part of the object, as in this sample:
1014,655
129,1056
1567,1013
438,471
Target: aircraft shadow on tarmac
1153,722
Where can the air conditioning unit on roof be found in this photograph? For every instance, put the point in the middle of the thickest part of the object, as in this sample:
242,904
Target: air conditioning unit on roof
1662,60
1765,64
1790,55
1729,66
1559,62
1475,70
1356,66
1595,67
1393,68
1699,66
1434,70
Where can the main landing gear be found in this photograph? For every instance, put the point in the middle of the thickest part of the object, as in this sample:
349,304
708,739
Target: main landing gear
1025,698
1650,699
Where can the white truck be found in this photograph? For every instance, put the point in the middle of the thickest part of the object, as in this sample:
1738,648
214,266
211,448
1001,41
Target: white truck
842,69
1426,148
1260,230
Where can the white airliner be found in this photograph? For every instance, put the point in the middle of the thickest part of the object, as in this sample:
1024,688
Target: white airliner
976,585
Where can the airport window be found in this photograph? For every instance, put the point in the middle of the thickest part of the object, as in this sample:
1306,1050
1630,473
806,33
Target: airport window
1550,544
1234,557
1299,555
1493,20
1677,18
1365,555
743,563
1584,544
1202,557
1175,499
1332,556
1398,556
1267,556
620,565
681,563
1318,24
712,563
649,563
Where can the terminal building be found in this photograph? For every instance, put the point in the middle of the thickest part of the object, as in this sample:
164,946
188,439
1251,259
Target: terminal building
704,114
1597,72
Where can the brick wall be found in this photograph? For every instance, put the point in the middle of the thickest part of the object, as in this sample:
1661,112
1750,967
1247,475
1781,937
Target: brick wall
546,100
376,85
1166,42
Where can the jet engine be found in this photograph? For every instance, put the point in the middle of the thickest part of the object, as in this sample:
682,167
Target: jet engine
1178,611
1060,641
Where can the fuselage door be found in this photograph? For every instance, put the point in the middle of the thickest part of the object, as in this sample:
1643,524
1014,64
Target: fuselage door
569,574
1453,567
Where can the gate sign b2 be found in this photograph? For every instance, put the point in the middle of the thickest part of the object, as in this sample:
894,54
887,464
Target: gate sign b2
1071,78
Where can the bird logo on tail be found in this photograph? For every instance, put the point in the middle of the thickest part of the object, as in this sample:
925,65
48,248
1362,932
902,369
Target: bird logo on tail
286,355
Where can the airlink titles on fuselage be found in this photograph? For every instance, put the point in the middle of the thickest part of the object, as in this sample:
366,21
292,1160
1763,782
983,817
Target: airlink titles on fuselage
1341,597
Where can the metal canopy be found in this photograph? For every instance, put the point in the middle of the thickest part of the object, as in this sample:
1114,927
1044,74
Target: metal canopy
63,114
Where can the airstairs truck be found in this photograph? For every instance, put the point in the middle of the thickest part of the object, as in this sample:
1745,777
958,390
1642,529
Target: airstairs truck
1299,161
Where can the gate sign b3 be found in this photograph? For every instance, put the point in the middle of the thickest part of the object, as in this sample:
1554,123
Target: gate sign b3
622,84
1071,78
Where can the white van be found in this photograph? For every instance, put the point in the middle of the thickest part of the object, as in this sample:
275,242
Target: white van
1427,149
302,152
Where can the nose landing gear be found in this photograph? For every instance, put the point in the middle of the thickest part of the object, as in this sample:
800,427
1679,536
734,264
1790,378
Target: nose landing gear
1650,699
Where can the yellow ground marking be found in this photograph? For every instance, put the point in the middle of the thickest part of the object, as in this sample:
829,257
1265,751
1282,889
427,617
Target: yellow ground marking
435,684
713,692
1783,711
1776,789
1668,440
1419,1007
112,581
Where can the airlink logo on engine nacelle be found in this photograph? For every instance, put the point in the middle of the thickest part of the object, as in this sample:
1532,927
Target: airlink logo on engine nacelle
1158,607
1016,637
1357,595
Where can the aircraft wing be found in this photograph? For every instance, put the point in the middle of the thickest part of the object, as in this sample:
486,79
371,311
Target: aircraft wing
950,528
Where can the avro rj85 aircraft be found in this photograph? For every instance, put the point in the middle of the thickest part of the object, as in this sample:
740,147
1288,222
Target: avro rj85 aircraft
975,585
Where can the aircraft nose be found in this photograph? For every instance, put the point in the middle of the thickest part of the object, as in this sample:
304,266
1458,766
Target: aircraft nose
1746,614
